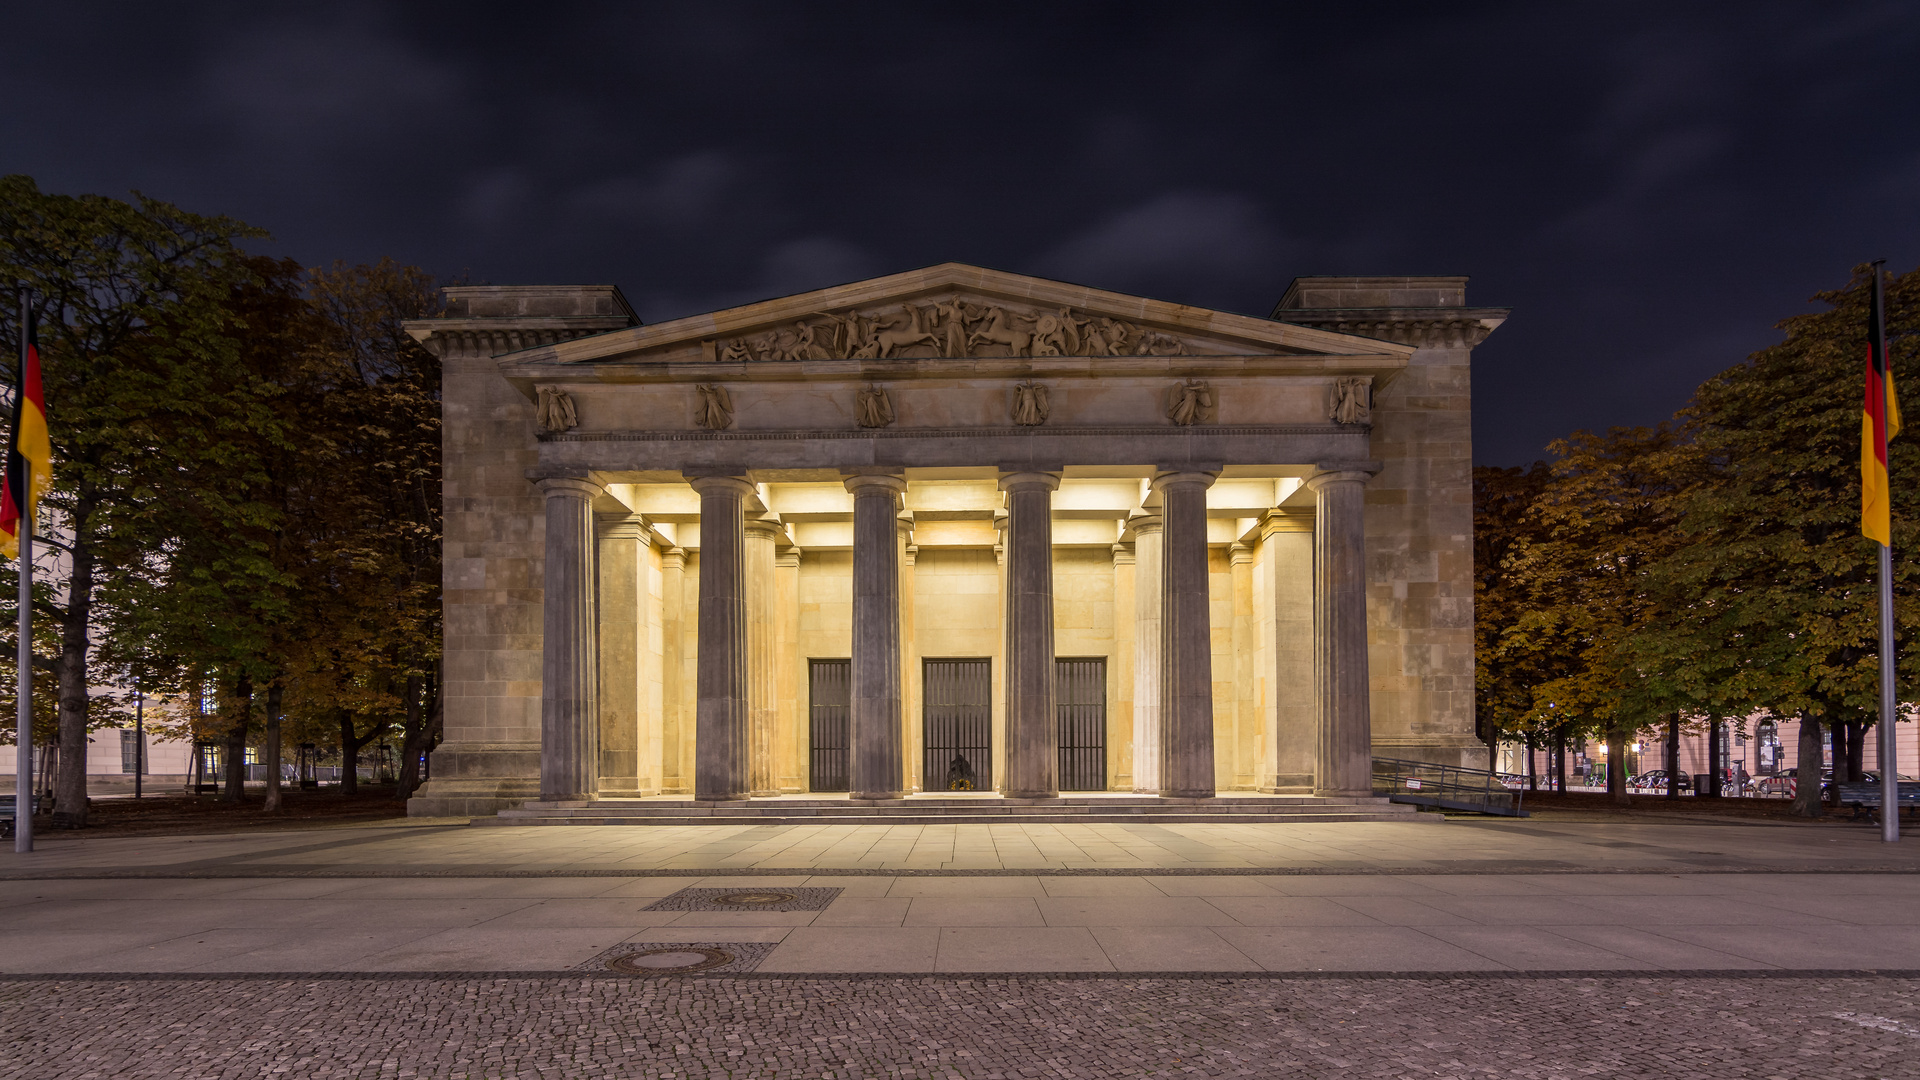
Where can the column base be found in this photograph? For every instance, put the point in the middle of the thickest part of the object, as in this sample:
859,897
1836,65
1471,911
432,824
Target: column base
738,796
1012,794
473,779
767,794
1203,793
874,796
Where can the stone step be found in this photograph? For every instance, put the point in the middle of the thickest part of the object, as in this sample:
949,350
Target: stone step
512,819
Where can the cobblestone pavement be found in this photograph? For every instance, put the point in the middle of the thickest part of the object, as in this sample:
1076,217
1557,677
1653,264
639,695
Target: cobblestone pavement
553,1028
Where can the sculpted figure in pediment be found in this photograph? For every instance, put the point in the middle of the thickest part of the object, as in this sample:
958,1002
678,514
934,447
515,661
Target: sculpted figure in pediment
952,319
872,407
901,330
1158,344
1029,404
715,408
1189,402
1000,330
1105,337
736,352
1349,401
554,410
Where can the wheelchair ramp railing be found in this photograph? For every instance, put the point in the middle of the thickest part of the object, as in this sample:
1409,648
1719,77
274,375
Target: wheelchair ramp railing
1448,787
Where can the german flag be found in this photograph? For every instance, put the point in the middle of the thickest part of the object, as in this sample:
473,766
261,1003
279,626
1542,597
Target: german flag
1879,422
30,458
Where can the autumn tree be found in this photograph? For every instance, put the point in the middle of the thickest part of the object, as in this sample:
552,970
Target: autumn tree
1781,605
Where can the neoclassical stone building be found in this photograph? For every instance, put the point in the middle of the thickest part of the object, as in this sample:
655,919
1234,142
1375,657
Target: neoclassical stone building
950,529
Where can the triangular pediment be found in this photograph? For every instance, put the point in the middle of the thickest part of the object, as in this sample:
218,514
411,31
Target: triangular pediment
955,311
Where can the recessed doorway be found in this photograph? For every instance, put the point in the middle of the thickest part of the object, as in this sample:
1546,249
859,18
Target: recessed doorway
957,709
1080,702
830,687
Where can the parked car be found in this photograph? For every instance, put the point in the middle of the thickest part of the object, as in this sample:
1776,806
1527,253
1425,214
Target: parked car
1656,781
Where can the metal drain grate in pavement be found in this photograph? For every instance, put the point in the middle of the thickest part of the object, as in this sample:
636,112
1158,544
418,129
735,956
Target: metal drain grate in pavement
782,898
649,958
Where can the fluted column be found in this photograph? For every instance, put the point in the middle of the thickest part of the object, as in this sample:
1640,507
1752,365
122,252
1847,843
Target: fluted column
763,686
1186,643
873,722
1032,736
621,602
568,672
721,696
1147,534
1343,762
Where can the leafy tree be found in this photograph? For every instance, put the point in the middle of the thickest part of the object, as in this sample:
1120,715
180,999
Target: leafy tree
1780,611
137,339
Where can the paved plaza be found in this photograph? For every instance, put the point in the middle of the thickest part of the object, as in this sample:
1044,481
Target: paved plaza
1463,948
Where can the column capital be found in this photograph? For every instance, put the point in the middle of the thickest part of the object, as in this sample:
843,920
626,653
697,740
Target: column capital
1342,472
1123,554
1146,523
722,485
674,558
562,487
1170,478
1239,554
1027,481
622,526
787,559
875,484
1286,520
766,528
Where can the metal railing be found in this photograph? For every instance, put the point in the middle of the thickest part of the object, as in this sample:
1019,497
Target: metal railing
1448,787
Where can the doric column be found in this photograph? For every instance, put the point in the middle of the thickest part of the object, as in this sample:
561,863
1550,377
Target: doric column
1147,534
621,604
1343,762
1291,722
1186,644
1032,738
568,743
721,697
676,723
1120,711
790,752
763,687
873,723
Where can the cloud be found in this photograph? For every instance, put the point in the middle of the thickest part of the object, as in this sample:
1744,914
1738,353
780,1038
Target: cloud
1192,237
307,89
494,197
680,194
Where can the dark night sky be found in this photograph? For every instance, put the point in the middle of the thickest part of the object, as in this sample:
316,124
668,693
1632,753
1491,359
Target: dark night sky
1649,186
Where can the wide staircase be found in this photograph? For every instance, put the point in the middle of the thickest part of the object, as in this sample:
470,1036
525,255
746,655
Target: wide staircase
947,809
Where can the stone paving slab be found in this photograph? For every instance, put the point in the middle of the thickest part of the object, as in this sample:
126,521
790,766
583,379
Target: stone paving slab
1363,922
1480,846
783,1028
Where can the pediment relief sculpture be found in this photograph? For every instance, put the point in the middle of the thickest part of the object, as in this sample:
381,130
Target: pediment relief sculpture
872,408
1190,402
1350,401
951,328
715,408
553,410
1030,406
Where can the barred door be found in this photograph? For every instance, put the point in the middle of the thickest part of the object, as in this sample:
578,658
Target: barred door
957,706
831,689
1080,697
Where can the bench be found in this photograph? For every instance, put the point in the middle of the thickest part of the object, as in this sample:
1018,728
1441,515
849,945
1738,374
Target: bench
8,809
1863,798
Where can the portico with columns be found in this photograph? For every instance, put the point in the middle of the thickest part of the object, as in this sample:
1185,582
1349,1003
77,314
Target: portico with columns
954,531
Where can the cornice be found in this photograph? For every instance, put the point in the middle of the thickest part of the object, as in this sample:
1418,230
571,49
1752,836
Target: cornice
1422,328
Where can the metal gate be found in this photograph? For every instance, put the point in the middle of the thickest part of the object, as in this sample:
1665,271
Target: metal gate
1080,697
957,702
831,691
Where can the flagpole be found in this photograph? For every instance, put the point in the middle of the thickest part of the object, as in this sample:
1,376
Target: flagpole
1889,737
23,685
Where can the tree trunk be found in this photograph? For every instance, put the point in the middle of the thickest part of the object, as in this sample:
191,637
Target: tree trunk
413,736
1806,795
236,790
1533,774
1560,761
1842,752
1714,760
1857,750
271,749
1617,766
1673,755
70,784
350,753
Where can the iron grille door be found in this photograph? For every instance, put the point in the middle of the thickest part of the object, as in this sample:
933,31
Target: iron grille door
1080,696
830,688
957,700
